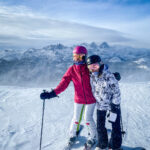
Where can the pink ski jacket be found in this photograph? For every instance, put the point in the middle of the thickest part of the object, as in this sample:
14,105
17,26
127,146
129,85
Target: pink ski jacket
79,75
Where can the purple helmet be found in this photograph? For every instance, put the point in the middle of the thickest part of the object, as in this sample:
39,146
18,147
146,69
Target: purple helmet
80,50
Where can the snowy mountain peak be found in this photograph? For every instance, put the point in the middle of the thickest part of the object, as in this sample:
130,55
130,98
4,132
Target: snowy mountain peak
104,45
139,61
115,59
54,47
93,45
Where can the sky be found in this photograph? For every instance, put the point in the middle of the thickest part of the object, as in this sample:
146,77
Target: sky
36,23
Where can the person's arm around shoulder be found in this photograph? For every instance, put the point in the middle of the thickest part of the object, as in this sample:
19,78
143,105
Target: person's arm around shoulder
116,98
115,90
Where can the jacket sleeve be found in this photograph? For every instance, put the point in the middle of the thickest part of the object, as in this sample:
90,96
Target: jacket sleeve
115,91
64,82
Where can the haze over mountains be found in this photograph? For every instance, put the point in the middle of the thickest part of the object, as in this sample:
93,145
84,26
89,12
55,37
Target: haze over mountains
48,64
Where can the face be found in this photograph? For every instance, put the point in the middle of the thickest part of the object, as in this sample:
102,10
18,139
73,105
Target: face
94,67
77,57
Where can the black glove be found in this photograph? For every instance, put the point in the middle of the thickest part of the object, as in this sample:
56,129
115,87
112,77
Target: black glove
117,76
114,108
48,95
113,113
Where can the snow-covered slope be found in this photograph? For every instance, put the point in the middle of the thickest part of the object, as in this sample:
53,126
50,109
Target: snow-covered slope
38,66
21,110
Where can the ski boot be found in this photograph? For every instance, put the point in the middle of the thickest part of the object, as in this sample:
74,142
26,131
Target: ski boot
89,144
71,141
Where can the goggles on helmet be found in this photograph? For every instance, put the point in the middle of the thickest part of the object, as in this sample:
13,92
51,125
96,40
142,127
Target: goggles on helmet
78,57
93,67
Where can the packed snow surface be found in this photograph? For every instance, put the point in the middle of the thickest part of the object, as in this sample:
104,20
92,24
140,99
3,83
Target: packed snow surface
21,111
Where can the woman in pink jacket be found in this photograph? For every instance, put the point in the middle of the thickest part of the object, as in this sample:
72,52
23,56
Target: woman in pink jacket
78,73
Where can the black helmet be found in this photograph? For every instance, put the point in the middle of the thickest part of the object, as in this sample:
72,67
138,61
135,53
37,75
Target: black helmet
93,59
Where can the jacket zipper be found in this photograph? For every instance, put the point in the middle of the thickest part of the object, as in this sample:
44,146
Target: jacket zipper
82,85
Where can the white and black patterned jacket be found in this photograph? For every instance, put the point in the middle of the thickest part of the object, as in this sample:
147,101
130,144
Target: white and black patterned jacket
105,89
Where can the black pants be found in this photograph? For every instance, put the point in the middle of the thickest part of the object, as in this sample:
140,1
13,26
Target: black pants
116,137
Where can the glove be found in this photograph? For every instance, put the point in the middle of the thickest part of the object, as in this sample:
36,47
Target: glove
117,76
114,108
48,95
113,113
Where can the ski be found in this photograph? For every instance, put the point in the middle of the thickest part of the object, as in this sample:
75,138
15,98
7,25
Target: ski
70,144
68,147
88,146
135,148
117,149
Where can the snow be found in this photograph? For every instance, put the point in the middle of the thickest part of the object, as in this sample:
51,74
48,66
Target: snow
115,59
139,61
144,67
21,110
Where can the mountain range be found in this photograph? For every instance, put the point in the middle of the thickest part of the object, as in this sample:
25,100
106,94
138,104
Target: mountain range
48,64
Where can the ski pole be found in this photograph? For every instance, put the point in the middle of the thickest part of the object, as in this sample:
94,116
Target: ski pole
43,109
122,130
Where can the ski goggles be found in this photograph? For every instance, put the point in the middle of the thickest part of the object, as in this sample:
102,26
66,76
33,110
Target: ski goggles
78,56
94,66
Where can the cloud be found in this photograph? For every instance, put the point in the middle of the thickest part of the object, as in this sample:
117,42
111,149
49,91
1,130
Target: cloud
88,10
22,27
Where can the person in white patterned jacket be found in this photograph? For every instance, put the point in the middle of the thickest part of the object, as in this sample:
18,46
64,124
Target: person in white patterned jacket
106,91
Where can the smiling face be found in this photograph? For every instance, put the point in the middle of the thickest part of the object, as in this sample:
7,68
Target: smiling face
94,67
78,57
